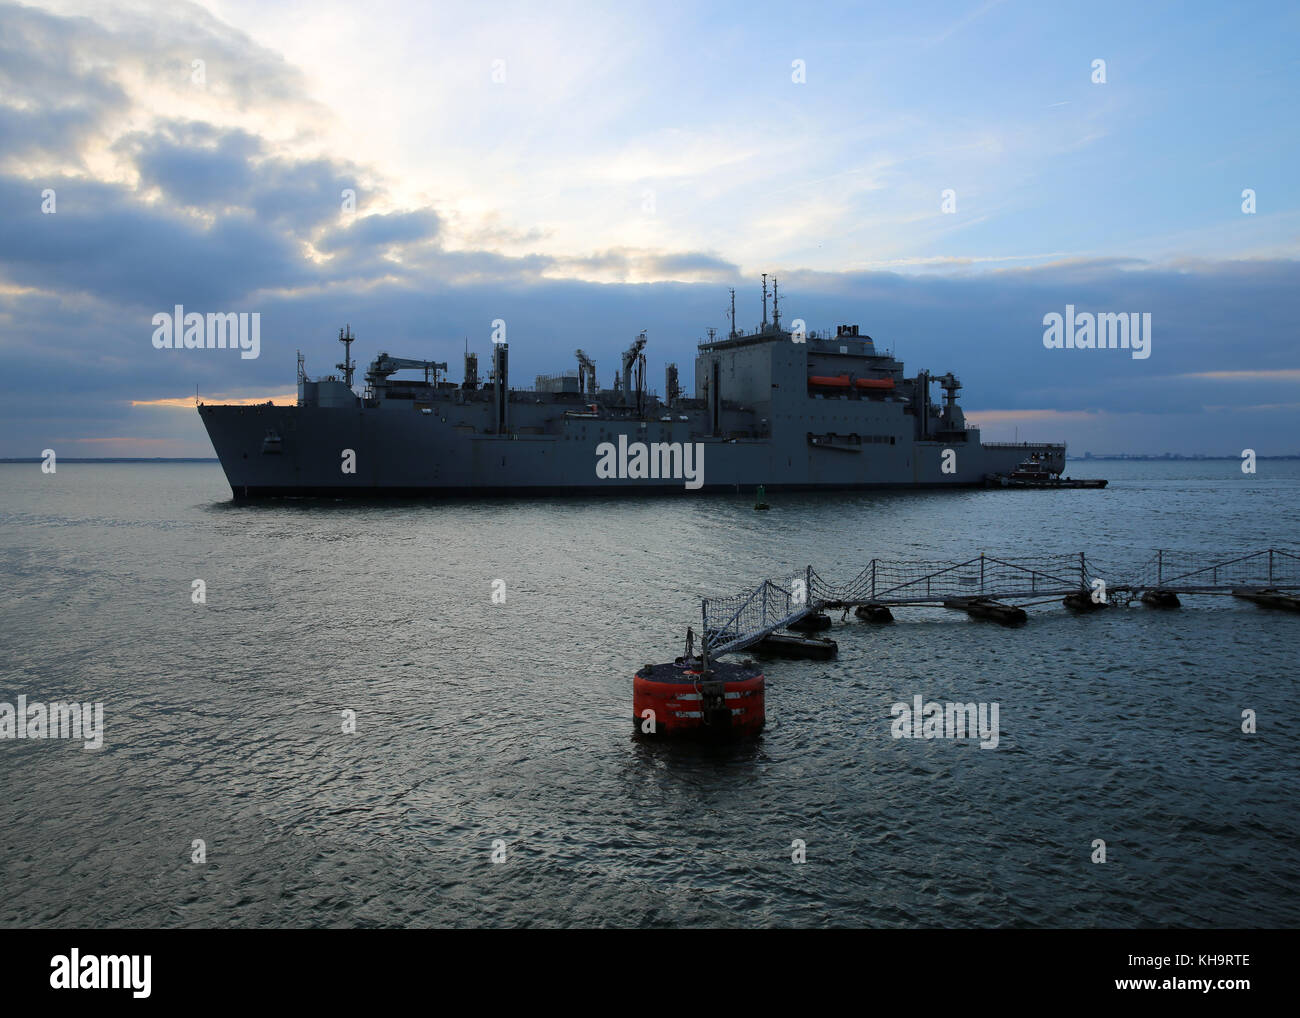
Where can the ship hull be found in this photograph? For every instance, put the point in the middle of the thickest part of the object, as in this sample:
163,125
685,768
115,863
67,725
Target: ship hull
397,452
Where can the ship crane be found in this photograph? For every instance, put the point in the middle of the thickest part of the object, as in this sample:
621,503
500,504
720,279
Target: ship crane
634,358
383,366
586,374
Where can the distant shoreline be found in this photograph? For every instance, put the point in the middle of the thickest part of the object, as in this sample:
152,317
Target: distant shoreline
1116,457
1146,458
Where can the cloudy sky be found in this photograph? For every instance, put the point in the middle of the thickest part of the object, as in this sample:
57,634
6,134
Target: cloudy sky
586,171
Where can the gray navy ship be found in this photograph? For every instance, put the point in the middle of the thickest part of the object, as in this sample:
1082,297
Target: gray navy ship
774,407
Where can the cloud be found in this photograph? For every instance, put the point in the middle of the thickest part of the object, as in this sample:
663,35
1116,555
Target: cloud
631,265
382,231
225,196
56,85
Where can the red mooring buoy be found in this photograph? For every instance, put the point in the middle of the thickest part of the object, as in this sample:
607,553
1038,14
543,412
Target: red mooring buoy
679,699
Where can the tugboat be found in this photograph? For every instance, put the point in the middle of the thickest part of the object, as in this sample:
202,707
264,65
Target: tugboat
1035,473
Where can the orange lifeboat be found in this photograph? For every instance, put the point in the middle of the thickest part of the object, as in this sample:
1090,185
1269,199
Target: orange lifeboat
842,382
678,700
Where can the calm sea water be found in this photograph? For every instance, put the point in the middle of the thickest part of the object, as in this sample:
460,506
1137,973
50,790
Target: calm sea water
480,722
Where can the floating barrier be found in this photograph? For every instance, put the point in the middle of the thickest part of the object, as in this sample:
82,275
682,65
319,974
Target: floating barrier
877,613
1269,598
984,608
705,696
811,623
987,586
1083,601
788,645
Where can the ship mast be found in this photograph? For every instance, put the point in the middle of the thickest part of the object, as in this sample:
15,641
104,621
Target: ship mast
346,338
733,313
764,301
776,308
